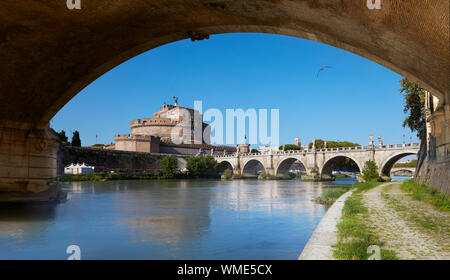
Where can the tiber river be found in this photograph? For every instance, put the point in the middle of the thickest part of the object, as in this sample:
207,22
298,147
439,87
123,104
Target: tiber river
192,219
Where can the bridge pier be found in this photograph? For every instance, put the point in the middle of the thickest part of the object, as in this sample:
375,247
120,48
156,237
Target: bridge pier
270,171
27,163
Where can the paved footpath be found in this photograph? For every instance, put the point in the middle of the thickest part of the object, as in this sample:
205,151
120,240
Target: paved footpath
411,228
319,246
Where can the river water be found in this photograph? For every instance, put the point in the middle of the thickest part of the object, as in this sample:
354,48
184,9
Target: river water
189,219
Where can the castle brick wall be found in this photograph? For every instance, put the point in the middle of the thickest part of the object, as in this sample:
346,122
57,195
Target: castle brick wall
123,161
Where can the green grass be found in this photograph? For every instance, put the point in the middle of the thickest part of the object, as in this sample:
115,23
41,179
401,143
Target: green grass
365,186
354,235
427,194
329,196
417,215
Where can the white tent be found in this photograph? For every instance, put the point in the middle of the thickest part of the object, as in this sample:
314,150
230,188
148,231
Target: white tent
75,169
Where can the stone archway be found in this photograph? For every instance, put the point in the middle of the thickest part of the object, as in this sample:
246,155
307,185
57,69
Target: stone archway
389,163
252,168
285,165
332,163
224,165
46,60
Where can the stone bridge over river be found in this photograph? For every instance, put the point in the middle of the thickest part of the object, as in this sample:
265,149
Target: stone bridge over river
321,160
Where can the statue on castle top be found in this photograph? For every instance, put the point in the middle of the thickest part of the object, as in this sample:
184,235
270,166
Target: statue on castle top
175,100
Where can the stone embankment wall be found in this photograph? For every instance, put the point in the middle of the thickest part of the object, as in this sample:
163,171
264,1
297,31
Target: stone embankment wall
435,174
108,159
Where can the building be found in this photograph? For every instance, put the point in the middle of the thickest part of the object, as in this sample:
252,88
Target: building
75,169
172,130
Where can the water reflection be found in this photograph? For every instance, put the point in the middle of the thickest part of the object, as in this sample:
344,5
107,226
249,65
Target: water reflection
195,219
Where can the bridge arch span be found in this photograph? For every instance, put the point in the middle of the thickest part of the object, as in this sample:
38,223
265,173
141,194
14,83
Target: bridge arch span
331,163
100,36
138,26
402,172
285,164
252,167
224,165
389,162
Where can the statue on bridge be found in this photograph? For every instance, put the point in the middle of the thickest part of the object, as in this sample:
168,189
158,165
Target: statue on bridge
371,140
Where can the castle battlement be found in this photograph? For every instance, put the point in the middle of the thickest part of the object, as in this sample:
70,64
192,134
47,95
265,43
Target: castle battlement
151,134
153,122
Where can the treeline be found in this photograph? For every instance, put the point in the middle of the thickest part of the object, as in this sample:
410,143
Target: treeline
411,164
320,144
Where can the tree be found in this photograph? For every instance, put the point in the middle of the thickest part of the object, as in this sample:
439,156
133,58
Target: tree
254,151
62,136
414,106
76,141
370,171
202,167
289,147
169,166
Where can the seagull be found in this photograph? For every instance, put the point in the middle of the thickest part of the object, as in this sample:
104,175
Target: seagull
322,69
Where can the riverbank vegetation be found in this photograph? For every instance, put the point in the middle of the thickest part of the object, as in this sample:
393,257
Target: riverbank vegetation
355,236
265,176
329,196
227,174
202,167
197,167
427,194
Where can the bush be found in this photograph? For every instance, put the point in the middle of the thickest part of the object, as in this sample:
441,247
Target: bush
370,171
228,174
202,167
168,166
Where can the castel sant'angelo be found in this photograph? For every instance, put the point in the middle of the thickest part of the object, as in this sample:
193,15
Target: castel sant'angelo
156,134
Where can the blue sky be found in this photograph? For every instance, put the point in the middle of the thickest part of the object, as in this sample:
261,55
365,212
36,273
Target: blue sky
354,98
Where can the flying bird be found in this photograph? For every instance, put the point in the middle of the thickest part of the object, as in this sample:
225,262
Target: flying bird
322,69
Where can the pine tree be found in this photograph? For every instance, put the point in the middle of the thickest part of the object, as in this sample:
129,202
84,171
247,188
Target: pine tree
76,141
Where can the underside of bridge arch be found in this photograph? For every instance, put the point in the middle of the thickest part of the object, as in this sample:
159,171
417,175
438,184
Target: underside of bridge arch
49,53
386,168
252,168
47,59
224,165
340,163
290,164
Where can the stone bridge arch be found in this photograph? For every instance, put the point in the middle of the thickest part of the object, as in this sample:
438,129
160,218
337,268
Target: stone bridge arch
388,163
120,31
224,165
285,163
407,171
327,167
46,60
252,166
